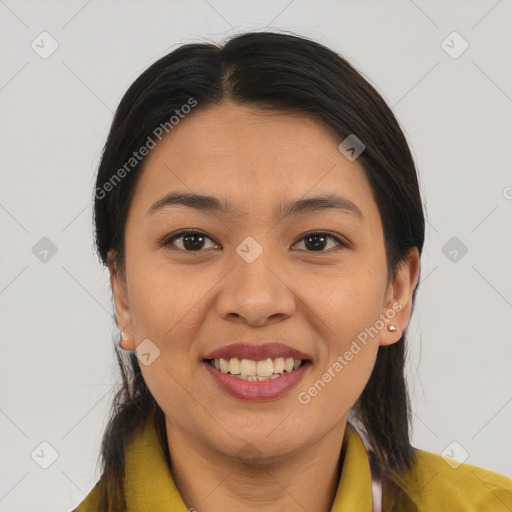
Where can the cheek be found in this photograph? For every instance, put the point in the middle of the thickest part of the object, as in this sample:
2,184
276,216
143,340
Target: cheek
167,307
347,299
163,296
167,310
345,307
346,362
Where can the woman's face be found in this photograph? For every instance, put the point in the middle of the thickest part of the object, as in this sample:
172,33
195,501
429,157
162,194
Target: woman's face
313,280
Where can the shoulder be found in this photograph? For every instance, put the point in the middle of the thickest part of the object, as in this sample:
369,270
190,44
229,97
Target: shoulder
442,484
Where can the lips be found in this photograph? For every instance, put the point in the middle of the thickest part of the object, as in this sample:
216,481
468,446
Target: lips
244,358
257,352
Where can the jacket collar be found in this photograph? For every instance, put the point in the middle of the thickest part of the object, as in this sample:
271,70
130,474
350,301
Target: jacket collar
149,484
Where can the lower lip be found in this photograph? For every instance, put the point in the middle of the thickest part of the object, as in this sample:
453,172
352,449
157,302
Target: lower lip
258,390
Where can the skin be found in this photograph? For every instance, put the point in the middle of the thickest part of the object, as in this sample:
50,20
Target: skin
190,303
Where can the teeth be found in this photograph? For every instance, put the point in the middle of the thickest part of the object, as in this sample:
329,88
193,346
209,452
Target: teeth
257,377
265,368
288,364
224,366
279,365
234,366
247,369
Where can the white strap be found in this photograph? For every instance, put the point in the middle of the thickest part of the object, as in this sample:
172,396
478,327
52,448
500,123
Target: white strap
376,495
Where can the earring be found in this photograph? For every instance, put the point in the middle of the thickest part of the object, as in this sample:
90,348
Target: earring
392,328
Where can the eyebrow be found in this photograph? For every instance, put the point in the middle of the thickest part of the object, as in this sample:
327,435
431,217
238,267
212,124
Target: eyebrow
211,204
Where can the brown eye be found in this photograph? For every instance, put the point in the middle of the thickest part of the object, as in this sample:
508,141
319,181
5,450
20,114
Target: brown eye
317,242
196,241
191,241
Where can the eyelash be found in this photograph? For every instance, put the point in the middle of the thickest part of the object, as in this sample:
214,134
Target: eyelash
169,241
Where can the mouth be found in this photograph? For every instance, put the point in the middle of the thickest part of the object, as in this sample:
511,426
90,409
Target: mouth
256,371
253,370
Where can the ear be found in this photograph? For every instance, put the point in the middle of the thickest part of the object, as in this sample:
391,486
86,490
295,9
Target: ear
398,300
123,315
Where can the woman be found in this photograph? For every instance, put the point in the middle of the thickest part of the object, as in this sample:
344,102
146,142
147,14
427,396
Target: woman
258,208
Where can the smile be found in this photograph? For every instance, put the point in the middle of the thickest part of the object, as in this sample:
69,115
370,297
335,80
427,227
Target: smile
252,370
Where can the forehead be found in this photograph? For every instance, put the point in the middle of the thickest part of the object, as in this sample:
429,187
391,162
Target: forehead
253,158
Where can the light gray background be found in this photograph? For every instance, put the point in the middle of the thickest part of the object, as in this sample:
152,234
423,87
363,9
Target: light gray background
57,359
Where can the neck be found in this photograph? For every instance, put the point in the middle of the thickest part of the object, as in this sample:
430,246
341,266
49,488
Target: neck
209,481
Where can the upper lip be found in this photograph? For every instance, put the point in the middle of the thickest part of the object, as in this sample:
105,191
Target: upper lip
256,352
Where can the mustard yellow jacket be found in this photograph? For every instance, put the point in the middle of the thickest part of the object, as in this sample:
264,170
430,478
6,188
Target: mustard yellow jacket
433,484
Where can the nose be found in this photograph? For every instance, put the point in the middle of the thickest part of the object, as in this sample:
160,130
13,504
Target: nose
256,293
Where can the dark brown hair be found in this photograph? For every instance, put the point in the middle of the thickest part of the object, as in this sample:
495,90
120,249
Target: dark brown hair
279,72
